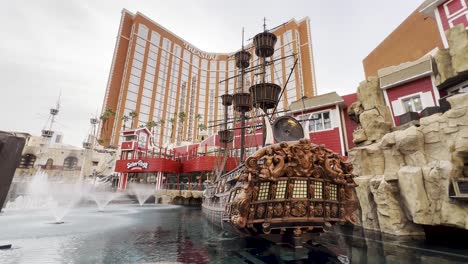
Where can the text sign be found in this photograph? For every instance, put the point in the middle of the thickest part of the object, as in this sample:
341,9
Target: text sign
137,165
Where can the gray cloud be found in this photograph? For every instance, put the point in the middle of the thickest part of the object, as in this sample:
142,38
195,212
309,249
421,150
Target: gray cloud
67,46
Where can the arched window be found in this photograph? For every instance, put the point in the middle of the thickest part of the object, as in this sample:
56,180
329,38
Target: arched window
70,163
49,164
27,161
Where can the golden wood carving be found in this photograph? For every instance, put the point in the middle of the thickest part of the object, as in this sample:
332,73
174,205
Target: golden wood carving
278,210
299,159
311,210
299,209
319,210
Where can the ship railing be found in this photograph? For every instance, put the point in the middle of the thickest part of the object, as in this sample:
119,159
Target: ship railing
192,186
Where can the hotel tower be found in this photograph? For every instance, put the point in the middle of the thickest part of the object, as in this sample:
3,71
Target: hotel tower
156,75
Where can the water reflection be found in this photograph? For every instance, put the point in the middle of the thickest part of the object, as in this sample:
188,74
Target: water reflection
129,234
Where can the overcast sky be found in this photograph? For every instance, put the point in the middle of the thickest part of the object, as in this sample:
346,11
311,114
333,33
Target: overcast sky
57,45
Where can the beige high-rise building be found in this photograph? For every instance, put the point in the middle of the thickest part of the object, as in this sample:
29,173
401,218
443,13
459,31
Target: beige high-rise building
158,75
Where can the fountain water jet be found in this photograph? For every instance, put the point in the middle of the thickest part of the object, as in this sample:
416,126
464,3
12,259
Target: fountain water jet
142,191
55,196
102,199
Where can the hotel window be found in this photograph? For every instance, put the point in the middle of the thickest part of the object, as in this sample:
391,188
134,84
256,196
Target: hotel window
138,56
300,189
130,106
133,88
134,80
319,121
143,118
137,73
155,38
412,104
142,31
333,192
144,108
318,188
149,77
281,190
150,66
139,50
263,192
131,96
147,93
138,64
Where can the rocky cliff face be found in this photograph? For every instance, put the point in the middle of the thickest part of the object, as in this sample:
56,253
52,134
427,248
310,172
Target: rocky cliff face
406,175
452,62
370,112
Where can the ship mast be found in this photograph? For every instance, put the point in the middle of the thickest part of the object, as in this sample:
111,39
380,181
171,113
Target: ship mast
265,95
242,99
47,131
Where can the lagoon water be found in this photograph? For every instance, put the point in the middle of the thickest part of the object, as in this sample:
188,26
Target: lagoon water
161,234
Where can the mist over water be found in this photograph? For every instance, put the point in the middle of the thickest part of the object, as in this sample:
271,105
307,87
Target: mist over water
55,197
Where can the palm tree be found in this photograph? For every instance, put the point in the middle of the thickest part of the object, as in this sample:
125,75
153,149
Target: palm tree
202,126
132,115
108,113
172,121
125,120
182,118
198,117
150,125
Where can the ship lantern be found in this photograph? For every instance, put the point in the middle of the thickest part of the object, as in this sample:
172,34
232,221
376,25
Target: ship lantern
242,59
265,95
242,102
226,136
227,99
264,44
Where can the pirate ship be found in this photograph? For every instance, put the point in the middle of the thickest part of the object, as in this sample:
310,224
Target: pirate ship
290,187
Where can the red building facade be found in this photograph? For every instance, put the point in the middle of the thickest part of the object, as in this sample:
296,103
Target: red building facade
448,14
179,168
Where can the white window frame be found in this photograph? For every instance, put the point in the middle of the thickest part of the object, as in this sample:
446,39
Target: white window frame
309,116
406,98
451,15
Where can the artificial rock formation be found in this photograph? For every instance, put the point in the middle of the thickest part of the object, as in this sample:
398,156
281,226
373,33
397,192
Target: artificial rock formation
452,62
405,177
370,112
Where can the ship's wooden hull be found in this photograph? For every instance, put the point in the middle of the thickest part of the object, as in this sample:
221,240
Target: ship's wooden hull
290,189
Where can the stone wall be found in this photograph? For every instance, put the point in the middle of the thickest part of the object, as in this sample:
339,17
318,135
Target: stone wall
452,63
370,112
179,197
405,176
